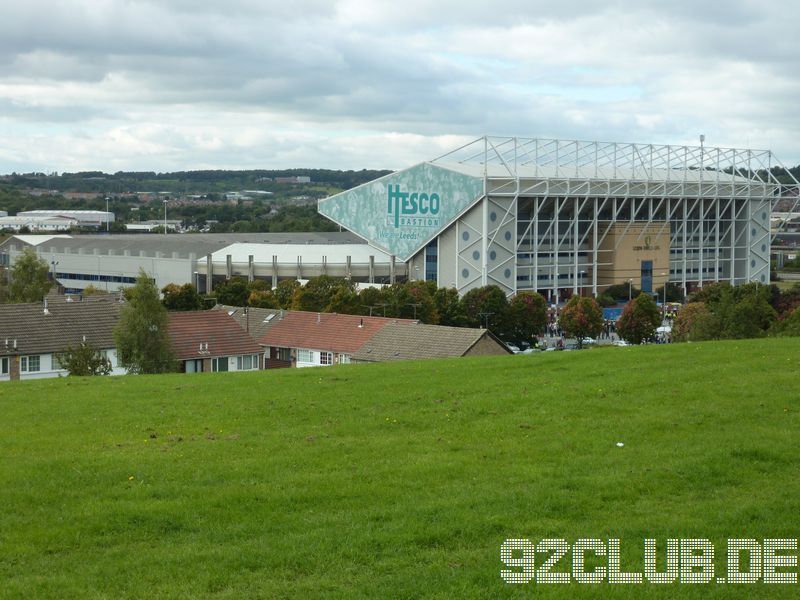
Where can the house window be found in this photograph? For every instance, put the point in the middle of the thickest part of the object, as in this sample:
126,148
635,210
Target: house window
29,364
3,366
325,358
219,364
304,356
194,366
344,359
283,354
247,362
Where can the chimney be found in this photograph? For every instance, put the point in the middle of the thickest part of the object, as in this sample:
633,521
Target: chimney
47,312
319,318
361,324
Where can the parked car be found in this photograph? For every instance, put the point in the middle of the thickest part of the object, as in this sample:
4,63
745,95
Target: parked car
621,343
513,348
587,341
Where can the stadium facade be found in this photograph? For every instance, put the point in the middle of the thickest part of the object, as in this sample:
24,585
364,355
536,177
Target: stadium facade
563,217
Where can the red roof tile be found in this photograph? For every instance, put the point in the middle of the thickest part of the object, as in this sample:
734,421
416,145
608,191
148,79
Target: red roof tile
324,331
187,330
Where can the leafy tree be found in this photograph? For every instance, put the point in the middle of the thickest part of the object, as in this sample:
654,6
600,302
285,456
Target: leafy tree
449,307
263,299
581,317
345,301
674,292
620,291
371,300
694,322
142,333
233,292
639,320
484,305
409,300
317,293
181,297
285,292
84,360
29,278
527,316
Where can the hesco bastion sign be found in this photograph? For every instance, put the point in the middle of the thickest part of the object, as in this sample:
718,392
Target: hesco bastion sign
401,212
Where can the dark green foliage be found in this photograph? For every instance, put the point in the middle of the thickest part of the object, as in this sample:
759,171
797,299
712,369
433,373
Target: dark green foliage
181,297
30,279
639,320
695,323
142,334
263,299
316,295
486,307
526,318
581,317
285,292
789,326
84,360
449,307
620,291
233,292
742,311
674,292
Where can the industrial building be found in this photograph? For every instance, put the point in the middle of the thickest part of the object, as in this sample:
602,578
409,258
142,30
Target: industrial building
111,262
563,217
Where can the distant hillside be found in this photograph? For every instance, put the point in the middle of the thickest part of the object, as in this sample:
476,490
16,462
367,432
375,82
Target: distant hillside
396,480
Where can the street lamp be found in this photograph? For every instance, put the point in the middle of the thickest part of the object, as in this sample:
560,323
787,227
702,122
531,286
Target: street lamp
165,216
630,289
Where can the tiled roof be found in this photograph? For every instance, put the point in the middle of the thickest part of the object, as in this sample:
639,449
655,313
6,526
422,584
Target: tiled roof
256,321
407,342
324,331
64,324
188,330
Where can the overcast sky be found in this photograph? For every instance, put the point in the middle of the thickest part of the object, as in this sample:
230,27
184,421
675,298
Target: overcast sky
168,85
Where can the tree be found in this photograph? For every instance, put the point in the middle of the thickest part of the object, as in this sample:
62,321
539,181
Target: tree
581,318
84,360
639,320
317,293
233,292
263,299
621,291
181,297
486,306
29,278
527,316
90,290
674,292
285,292
449,307
142,333
694,322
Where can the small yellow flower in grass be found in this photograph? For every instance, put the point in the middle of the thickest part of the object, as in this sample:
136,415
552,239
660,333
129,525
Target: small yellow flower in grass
131,478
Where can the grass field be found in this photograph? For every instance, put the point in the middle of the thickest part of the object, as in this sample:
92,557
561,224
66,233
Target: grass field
395,481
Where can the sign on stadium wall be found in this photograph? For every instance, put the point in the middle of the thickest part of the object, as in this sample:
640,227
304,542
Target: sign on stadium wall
401,212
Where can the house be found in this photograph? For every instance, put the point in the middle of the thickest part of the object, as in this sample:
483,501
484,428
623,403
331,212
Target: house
212,341
400,341
307,339
32,335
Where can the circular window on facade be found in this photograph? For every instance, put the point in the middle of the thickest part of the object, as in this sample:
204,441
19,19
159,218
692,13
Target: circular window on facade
763,247
493,217
763,279
476,255
753,231
763,216
465,236
493,255
507,236
753,263
507,273
465,273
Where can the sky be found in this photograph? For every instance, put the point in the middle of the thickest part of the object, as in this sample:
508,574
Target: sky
165,85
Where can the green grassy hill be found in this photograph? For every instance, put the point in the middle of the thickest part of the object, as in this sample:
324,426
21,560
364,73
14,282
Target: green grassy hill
398,480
